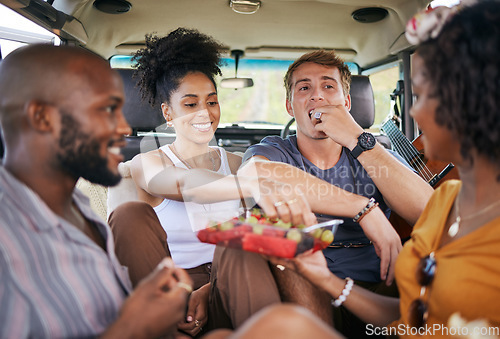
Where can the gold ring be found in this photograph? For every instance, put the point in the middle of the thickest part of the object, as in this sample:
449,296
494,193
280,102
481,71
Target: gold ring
279,203
293,201
196,323
185,286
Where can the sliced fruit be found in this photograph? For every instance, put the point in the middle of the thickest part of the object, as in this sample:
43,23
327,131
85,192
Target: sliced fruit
318,245
316,233
258,228
274,232
279,247
327,237
294,234
226,225
282,224
252,220
214,237
204,234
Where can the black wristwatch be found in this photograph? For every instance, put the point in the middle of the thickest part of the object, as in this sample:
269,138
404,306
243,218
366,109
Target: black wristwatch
366,141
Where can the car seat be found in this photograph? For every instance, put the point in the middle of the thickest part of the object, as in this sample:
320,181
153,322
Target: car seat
363,105
149,130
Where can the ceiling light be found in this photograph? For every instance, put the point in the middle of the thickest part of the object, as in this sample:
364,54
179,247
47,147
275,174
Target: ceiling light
244,6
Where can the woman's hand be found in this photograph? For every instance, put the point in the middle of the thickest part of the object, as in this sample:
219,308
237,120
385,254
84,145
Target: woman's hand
280,200
196,316
386,241
311,266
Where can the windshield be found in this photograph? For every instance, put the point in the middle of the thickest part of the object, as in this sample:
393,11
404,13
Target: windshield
262,104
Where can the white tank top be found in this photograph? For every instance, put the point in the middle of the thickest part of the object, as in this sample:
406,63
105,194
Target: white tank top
179,219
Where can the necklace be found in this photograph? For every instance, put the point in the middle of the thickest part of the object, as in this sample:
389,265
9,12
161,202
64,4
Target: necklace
186,163
174,150
455,227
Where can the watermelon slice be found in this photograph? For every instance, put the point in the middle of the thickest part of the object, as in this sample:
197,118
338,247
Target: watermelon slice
257,233
269,245
213,236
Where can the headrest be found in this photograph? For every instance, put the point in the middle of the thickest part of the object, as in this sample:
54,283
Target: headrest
1,145
362,101
138,113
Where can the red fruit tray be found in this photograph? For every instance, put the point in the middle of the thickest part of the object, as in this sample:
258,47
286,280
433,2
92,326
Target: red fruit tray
274,238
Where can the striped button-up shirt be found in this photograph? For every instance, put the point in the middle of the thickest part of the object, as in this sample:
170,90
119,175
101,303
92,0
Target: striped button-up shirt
54,281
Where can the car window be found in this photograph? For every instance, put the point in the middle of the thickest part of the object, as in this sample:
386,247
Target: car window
383,84
261,104
17,31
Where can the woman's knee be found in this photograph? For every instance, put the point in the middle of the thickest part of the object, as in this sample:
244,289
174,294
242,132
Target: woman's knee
286,321
128,211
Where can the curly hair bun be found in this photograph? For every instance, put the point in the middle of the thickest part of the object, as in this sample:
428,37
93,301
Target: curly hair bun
166,60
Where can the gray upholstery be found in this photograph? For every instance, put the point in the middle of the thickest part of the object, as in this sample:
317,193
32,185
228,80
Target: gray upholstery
363,105
149,117
1,145
141,117
362,101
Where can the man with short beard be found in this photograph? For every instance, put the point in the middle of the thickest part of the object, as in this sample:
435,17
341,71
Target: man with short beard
61,118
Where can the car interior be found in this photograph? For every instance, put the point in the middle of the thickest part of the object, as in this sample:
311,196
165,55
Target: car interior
362,109
261,38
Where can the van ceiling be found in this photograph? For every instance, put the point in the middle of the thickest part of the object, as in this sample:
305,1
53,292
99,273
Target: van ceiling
279,29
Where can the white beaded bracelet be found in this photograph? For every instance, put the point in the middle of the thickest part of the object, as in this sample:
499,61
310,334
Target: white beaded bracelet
345,292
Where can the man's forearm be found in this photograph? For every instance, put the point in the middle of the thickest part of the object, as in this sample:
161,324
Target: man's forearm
323,197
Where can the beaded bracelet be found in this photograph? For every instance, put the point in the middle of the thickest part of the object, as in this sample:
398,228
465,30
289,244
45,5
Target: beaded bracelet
370,206
345,292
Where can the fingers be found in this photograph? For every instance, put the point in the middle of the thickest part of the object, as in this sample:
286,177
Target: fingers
392,268
388,256
289,208
169,277
300,211
310,219
193,325
184,280
336,122
385,260
196,315
319,114
315,116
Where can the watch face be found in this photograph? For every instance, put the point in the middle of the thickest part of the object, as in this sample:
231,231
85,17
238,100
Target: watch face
366,141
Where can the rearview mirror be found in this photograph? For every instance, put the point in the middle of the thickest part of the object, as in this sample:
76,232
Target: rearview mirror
236,83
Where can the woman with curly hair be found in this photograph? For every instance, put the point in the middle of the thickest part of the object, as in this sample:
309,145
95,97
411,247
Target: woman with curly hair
187,178
451,264
178,71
